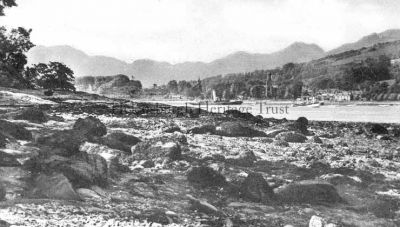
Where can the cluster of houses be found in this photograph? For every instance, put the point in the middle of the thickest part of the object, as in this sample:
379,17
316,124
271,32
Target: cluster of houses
332,95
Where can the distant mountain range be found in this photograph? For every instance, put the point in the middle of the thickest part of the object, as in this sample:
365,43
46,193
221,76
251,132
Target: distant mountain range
149,71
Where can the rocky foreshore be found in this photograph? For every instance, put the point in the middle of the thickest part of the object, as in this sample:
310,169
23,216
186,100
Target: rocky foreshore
137,164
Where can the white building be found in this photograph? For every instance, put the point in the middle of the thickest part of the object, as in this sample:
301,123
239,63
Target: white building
342,96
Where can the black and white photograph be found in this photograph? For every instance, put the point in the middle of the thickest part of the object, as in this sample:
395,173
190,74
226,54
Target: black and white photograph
199,113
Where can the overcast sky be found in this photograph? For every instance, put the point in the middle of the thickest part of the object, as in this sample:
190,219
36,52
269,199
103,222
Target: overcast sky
198,30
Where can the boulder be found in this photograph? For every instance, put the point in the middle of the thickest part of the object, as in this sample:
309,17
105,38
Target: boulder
205,177
66,143
281,143
33,114
85,170
54,186
172,129
317,221
243,115
384,137
147,164
111,156
2,192
291,137
246,158
254,188
15,131
85,194
274,133
120,141
312,192
378,129
204,129
90,127
301,125
3,140
4,223
8,160
157,149
237,129
15,181
316,139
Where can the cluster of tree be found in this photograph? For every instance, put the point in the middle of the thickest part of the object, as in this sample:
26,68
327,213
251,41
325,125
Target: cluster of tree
287,84
357,76
6,3
185,88
13,71
117,85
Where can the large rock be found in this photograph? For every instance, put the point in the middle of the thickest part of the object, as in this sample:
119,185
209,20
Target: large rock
281,143
301,125
172,129
33,114
317,221
8,160
312,192
86,170
378,129
54,186
3,140
112,157
2,192
90,127
65,143
254,188
15,181
82,170
275,132
291,137
205,177
316,139
204,129
157,149
86,194
13,130
120,141
237,129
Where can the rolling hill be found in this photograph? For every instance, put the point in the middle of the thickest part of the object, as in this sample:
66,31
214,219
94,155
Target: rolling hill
149,71
369,40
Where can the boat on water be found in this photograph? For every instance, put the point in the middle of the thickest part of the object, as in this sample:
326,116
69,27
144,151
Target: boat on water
217,101
308,104
226,102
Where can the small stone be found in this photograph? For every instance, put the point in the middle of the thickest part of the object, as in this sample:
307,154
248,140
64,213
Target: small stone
291,137
202,206
85,193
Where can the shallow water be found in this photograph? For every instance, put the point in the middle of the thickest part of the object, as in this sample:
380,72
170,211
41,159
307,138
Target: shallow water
352,112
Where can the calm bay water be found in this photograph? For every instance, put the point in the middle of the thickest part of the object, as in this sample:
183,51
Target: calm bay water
361,112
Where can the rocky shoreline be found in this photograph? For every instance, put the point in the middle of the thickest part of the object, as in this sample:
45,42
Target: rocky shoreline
137,164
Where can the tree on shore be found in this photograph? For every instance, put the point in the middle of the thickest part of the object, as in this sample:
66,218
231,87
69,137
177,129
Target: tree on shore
52,76
172,86
6,3
13,46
